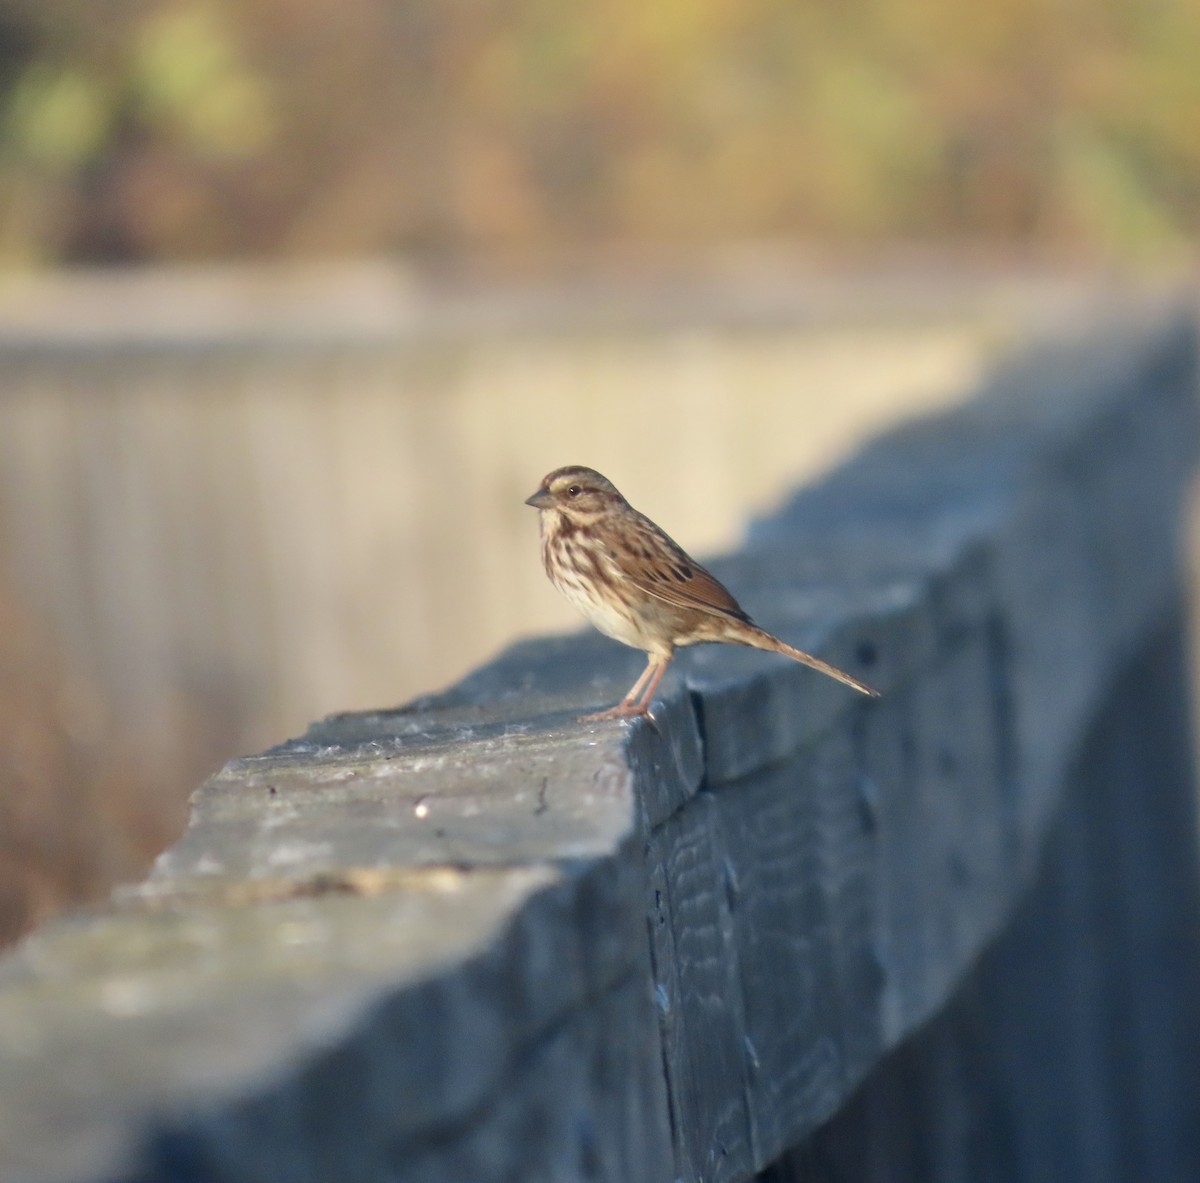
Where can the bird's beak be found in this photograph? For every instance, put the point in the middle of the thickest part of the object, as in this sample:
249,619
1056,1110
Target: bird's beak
541,499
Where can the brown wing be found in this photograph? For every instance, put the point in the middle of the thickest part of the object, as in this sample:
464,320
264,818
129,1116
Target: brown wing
660,567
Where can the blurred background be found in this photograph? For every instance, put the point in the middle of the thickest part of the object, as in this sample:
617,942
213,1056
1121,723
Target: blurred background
299,299
143,130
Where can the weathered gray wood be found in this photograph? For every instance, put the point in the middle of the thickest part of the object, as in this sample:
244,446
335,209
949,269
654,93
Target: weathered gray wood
474,939
699,995
1069,1051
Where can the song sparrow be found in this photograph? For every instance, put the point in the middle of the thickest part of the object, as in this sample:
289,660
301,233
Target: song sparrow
638,586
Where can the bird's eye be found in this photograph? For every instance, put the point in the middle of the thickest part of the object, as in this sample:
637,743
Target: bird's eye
574,491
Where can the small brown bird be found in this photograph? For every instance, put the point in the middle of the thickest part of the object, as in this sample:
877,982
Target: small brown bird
638,586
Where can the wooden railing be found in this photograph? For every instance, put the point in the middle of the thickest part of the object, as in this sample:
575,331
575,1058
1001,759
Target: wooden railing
953,934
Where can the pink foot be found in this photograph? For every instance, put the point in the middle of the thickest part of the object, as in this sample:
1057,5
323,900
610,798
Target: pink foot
623,710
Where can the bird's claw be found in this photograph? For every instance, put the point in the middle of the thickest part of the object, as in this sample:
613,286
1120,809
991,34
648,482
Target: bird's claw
622,711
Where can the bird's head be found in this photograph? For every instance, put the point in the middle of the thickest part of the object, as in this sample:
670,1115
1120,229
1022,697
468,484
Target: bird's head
580,494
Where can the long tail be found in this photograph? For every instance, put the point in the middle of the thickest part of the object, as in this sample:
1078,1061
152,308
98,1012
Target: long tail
760,639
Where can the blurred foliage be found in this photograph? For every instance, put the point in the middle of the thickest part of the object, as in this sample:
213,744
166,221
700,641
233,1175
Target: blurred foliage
137,129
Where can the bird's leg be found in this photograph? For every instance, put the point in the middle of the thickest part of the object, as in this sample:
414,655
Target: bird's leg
647,698
637,701
636,689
